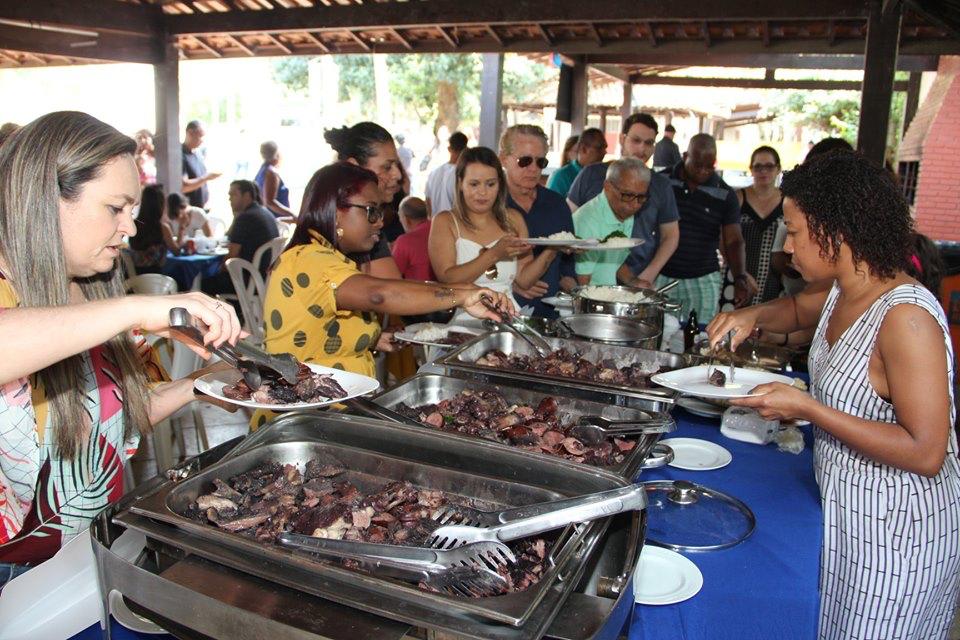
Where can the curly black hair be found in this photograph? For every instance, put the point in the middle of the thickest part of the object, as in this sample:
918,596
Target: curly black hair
848,199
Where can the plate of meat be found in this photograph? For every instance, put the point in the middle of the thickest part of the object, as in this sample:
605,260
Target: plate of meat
436,335
316,386
710,381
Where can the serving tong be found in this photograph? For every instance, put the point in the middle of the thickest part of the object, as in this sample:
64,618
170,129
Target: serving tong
593,430
521,522
516,326
252,362
469,570
728,342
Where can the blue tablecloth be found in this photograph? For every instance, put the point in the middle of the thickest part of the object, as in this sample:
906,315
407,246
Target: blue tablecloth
765,587
184,269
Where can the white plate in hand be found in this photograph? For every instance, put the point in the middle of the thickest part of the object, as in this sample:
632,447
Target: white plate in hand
409,334
694,381
597,245
354,384
558,301
553,242
664,577
697,455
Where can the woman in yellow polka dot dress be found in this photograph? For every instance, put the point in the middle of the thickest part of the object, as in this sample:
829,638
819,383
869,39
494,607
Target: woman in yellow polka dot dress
319,306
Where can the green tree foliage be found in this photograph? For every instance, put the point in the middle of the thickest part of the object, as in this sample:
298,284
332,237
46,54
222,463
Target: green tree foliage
292,73
834,115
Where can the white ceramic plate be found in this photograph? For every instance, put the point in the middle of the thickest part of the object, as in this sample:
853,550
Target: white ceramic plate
354,384
699,407
697,455
127,618
559,301
552,242
409,333
596,245
693,381
219,251
664,577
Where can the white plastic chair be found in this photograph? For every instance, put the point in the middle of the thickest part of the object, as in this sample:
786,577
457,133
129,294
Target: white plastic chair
250,289
272,249
154,284
217,226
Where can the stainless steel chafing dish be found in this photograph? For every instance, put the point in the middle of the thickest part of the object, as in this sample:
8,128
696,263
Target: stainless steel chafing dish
462,362
201,579
432,388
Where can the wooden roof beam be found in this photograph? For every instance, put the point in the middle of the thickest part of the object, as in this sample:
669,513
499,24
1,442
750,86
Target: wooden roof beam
360,41
450,13
238,43
705,32
493,34
765,33
406,43
757,60
113,47
208,47
275,40
315,39
96,15
595,34
450,37
652,34
542,30
755,83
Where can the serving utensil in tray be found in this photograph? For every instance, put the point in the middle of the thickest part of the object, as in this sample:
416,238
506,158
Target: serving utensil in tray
519,328
376,452
591,430
431,388
463,361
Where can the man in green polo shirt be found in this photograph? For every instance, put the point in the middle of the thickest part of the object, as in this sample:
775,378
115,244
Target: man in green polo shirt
613,210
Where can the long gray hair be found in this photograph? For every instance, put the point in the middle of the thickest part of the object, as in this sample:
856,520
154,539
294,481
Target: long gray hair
48,161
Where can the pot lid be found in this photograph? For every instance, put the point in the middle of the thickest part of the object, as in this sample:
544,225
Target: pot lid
607,327
685,516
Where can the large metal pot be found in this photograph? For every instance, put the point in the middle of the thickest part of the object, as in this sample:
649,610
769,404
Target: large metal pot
610,329
650,310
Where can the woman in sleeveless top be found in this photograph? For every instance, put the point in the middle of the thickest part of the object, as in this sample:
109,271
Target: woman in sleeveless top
481,241
273,192
881,373
761,208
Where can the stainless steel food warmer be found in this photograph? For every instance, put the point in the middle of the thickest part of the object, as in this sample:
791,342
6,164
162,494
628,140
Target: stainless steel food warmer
200,581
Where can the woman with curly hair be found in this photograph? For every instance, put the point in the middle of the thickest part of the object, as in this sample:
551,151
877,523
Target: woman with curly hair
881,372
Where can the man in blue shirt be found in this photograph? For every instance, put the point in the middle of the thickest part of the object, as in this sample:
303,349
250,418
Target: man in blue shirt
523,152
657,219
590,150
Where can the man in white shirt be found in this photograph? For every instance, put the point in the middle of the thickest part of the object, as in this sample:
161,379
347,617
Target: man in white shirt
441,181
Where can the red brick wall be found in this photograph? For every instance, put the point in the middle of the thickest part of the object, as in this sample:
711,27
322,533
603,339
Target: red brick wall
937,203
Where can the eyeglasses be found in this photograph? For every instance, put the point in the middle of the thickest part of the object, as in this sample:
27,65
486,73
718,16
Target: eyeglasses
374,211
525,161
765,166
629,196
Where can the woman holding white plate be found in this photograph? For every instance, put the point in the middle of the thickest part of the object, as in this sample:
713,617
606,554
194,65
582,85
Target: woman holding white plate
881,373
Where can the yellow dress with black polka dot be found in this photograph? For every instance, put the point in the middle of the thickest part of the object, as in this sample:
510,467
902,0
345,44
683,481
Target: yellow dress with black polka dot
301,314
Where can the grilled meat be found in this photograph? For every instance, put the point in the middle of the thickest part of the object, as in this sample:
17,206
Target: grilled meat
717,378
565,364
310,387
272,499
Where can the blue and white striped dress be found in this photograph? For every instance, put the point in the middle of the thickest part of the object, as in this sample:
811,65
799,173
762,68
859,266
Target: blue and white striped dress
890,563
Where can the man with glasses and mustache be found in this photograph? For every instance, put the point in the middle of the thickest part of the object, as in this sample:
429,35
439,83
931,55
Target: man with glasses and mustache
523,152
614,210
656,222
709,215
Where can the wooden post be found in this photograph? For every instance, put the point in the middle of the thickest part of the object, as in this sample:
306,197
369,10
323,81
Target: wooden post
626,107
166,87
491,100
578,110
913,100
880,64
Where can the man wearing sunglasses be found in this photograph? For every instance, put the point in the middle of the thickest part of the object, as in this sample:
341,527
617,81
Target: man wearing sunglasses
656,222
709,216
523,153
613,211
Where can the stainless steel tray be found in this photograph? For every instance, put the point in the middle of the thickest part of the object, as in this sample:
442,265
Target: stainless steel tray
389,451
463,361
426,388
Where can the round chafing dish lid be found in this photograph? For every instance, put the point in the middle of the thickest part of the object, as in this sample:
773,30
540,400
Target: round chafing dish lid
684,516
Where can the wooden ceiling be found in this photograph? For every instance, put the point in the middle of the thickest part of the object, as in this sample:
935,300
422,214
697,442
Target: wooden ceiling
631,33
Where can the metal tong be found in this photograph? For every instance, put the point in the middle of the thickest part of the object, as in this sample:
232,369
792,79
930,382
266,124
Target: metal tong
470,570
252,362
547,516
593,430
529,335
728,341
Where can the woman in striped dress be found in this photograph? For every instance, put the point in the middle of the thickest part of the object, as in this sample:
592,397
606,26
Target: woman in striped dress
881,371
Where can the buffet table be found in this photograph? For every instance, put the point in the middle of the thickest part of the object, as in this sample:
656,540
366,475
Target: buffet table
765,587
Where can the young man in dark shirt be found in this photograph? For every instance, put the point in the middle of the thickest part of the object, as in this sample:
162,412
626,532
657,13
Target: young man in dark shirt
195,174
253,226
709,215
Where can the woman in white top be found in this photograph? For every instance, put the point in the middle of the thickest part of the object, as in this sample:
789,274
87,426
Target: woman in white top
481,241
183,222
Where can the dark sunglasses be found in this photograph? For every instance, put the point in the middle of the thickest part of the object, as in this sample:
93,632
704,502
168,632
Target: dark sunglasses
765,166
374,211
525,161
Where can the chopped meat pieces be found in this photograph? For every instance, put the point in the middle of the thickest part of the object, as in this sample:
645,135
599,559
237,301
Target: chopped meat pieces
326,501
718,378
566,364
310,387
